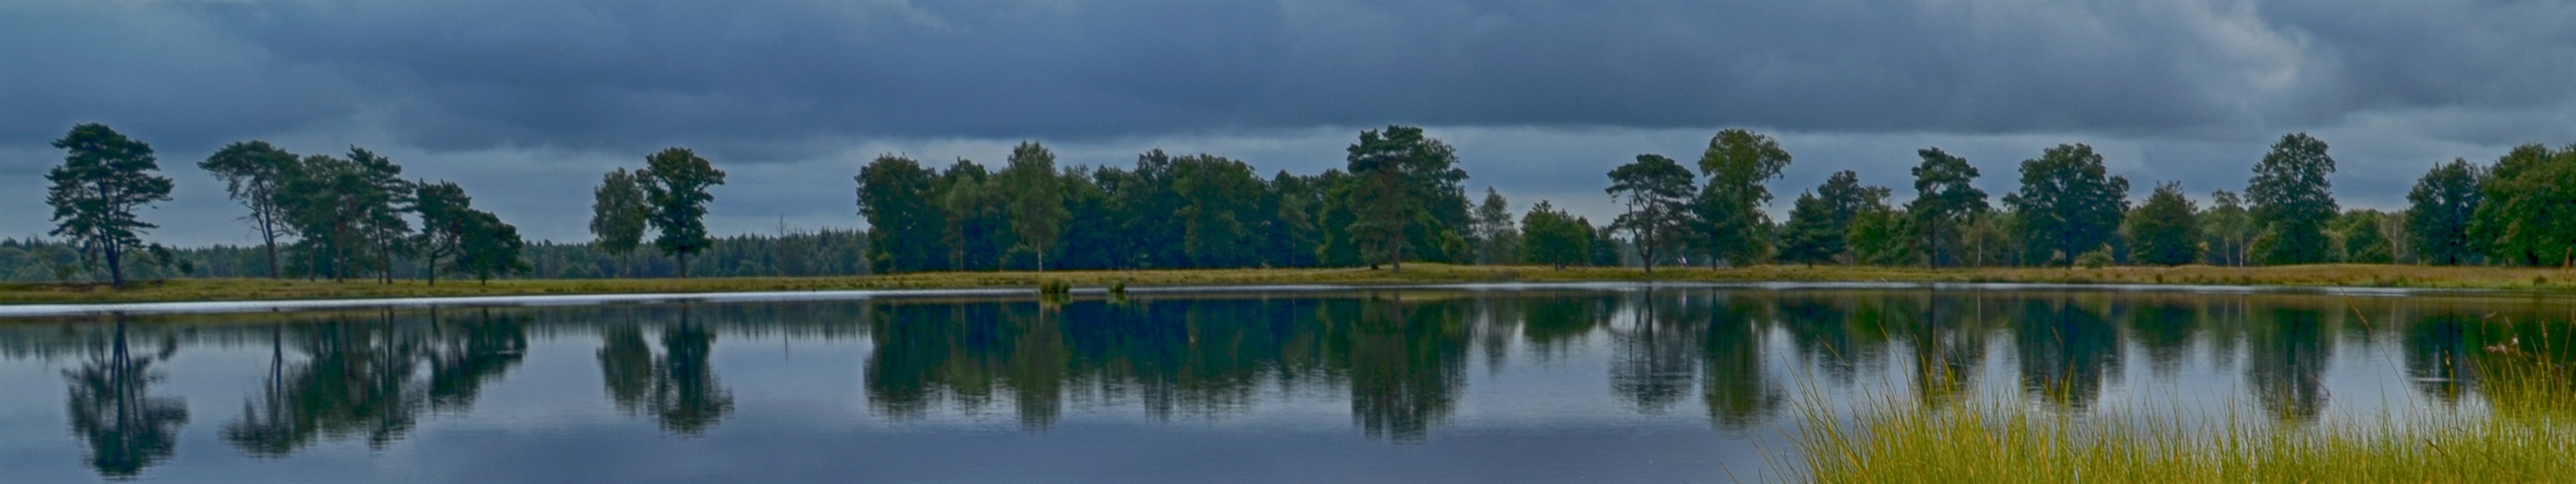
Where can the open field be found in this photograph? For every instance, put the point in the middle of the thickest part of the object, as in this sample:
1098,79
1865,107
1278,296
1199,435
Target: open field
2307,275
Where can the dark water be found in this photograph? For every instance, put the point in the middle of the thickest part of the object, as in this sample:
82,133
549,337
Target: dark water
1625,385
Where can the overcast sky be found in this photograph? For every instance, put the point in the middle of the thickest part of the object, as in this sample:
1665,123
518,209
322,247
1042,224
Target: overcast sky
525,103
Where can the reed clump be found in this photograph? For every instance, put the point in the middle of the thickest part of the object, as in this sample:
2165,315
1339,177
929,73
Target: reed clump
2529,436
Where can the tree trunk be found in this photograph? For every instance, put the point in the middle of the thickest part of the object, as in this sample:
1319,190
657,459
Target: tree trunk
115,266
683,258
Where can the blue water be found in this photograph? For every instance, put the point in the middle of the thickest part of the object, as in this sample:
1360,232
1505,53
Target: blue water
1603,384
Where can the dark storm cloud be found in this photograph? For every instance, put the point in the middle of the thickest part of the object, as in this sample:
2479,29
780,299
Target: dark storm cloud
784,76
1544,96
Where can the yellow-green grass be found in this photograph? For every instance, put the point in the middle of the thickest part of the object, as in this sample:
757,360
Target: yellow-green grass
2527,437
2306,275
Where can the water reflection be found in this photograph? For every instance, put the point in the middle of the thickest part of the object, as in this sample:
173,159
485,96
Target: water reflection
113,410
677,388
1400,362
372,378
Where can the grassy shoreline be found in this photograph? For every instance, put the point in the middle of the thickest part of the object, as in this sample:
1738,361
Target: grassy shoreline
2307,275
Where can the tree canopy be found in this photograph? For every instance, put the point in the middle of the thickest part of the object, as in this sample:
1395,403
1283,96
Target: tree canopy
2292,200
2444,202
2068,205
1738,164
1657,192
104,178
675,190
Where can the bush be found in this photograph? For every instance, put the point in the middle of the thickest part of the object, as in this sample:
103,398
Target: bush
2095,259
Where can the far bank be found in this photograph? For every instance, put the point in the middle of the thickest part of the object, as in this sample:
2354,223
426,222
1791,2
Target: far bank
2350,275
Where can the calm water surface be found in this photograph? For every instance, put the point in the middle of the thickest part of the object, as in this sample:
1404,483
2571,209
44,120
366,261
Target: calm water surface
1611,385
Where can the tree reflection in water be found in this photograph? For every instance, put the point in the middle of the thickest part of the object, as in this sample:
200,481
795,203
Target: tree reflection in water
112,407
372,378
1398,359
677,388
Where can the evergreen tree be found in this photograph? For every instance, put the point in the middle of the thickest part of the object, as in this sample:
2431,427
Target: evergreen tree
1497,239
1036,199
1657,192
675,187
1884,236
387,198
1820,224
2068,204
1738,163
1945,199
618,214
254,173
1399,175
2163,230
2443,204
2292,200
104,177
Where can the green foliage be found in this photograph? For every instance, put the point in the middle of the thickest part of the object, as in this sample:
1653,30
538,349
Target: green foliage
2444,203
1820,224
904,220
2097,258
1036,198
104,177
2227,230
2527,215
1945,199
1555,238
1738,163
2068,204
2292,197
455,236
1218,197
675,187
1885,237
1606,251
1657,192
2364,237
618,214
254,173
2163,230
977,233
1401,177
1496,239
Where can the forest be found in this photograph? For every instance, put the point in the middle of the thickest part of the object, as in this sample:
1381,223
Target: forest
1401,197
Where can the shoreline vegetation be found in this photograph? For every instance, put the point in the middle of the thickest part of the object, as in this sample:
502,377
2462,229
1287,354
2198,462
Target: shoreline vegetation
2526,432
2320,275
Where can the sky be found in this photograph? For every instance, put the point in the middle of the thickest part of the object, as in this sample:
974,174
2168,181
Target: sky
526,103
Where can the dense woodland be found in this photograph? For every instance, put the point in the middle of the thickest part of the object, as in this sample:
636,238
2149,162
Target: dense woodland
1401,197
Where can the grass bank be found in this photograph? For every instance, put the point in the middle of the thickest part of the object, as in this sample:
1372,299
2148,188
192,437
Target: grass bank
2309,275
2527,436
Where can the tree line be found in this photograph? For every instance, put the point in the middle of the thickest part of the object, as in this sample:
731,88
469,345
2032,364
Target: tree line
1400,197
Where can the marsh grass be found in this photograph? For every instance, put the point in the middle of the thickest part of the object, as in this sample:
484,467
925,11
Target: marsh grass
2528,436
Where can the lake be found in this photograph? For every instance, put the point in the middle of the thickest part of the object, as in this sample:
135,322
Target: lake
1607,383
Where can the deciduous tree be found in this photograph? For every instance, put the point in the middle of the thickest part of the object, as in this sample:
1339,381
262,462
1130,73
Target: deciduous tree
1036,198
2163,230
2292,199
2444,202
618,214
675,187
1738,163
2068,204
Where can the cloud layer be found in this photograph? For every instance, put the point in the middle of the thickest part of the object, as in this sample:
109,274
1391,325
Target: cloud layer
524,102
